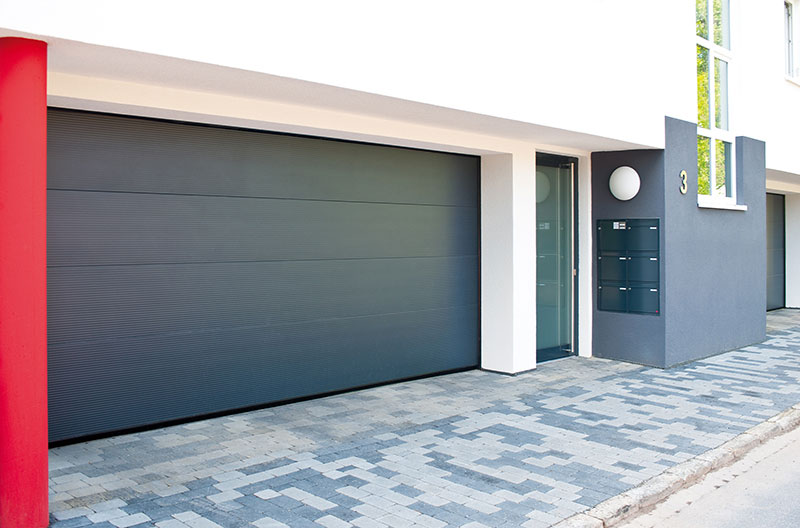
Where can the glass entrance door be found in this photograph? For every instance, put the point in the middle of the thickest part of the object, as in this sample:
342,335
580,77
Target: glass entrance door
555,269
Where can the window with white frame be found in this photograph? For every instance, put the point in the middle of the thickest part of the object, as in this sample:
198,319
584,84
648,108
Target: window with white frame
715,142
792,68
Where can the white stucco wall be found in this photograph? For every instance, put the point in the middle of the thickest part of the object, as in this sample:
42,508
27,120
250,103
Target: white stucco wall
793,250
764,103
609,68
508,262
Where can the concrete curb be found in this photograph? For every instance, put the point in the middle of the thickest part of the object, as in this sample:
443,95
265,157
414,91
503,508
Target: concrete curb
646,495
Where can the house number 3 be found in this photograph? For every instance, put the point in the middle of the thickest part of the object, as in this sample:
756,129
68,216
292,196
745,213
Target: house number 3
684,187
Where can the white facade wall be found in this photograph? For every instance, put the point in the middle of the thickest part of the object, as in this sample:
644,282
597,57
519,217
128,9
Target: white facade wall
792,250
609,68
765,103
612,69
771,110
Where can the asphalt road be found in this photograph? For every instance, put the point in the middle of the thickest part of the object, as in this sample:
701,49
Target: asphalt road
760,490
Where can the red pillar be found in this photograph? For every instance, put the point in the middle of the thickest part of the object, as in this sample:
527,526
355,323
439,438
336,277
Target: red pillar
23,283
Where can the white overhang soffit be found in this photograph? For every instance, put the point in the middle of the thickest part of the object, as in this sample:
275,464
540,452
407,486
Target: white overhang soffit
93,77
783,182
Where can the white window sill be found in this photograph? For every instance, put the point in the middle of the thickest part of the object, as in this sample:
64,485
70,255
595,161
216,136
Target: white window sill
793,80
710,202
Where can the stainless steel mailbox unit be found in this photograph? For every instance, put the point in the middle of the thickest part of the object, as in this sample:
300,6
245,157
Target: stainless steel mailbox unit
628,265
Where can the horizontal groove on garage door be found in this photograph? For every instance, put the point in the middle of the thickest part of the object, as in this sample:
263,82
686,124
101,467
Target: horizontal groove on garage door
196,269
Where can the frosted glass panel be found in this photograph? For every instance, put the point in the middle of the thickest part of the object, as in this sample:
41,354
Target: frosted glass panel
554,259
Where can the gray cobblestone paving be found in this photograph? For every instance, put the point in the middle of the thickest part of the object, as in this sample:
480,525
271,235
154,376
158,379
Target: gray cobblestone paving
474,449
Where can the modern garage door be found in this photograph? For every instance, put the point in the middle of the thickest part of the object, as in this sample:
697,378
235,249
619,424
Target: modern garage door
196,269
776,252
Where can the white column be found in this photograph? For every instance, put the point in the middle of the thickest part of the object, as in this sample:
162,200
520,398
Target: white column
585,257
793,250
508,262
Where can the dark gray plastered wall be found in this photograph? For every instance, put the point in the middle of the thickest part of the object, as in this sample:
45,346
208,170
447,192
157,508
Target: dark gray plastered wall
625,336
715,259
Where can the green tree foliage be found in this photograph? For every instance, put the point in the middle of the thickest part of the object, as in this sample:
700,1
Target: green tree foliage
702,18
721,170
703,110
703,165
719,31
703,118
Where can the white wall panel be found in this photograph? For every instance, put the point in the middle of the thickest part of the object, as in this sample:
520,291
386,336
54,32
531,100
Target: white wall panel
793,250
764,103
611,68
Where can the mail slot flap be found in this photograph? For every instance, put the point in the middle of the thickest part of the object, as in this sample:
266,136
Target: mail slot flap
612,267
643,299
643,235
612,296
609,238
643,269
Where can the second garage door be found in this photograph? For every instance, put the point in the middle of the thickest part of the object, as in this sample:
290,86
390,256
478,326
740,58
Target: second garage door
196,269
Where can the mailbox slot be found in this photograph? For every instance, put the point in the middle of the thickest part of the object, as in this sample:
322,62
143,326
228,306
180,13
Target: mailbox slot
642,235
612,267
613,297
609,238
643,299
643,269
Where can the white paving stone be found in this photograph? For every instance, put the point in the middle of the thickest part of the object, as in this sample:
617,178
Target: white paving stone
269,522
130,520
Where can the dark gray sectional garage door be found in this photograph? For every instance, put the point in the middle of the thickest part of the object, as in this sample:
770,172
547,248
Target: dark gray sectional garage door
196,269
776,252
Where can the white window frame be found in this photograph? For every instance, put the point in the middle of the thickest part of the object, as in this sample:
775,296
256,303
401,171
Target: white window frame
716,51
791,48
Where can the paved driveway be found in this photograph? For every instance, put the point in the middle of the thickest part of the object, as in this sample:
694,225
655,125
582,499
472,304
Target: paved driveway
470,449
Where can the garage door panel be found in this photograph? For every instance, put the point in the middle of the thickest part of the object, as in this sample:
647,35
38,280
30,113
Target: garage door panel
196,269
185,375
107,302
117,153
139,229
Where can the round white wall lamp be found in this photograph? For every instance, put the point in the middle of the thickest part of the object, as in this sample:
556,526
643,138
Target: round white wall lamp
542,186
624,183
